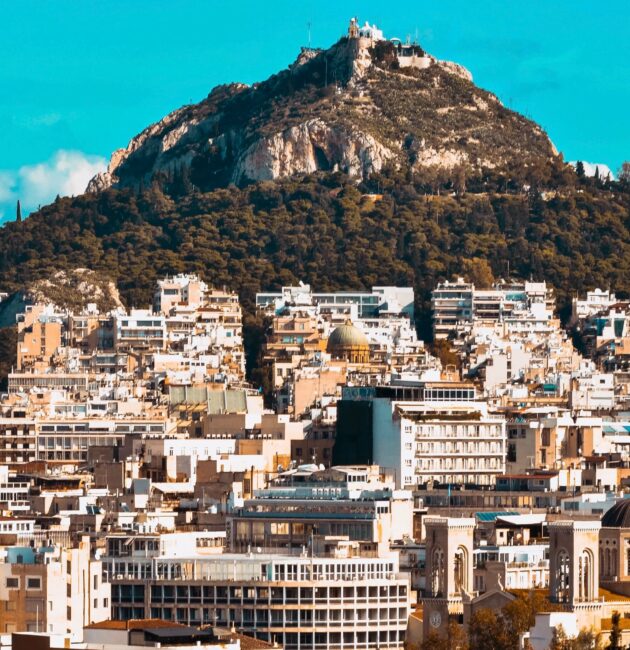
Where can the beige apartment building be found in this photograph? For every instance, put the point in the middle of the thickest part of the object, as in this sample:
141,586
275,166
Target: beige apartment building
56,590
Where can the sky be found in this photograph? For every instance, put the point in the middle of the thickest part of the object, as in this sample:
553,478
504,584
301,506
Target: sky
79,78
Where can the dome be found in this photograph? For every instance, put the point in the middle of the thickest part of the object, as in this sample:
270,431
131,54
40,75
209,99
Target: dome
618,516
348,342
346,336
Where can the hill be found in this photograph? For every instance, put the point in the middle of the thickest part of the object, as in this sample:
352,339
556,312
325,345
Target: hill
354,108
326,230
385,175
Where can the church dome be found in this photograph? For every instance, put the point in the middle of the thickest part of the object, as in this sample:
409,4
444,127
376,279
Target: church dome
618,516
348,342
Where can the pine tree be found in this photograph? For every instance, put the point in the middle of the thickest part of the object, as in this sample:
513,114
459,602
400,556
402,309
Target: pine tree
18,212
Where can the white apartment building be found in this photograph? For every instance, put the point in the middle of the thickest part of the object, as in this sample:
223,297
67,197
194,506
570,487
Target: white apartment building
592,391
448,442
457,305
140,329
67,440
595,301
320,603
513,566
379,302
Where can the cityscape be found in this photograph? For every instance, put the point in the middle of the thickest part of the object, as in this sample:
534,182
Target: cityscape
417,441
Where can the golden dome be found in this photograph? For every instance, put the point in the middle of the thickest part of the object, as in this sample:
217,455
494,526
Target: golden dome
348,342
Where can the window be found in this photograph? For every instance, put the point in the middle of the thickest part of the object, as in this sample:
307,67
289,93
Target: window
13,583
33,583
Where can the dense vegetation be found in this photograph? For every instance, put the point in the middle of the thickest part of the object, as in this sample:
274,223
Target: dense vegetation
325,230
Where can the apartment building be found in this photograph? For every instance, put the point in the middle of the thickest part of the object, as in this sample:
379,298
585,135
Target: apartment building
54,589
422,432
140,330
66,441
343,600
349,304
447,443
353,502
457,305
181,289
18,441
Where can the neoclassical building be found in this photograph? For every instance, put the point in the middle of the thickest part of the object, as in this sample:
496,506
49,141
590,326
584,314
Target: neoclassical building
449,571
614,548
589,571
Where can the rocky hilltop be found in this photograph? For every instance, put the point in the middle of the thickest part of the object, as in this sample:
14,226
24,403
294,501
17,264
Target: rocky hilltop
356,107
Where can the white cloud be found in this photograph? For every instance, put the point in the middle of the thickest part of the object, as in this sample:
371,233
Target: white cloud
7,181
37,121
67,173
7,194
591,168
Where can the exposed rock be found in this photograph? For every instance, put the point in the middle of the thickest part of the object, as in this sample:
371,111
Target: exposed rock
312,146
455,69
75,290
349,108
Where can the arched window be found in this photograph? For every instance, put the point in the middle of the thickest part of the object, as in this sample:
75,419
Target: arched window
437,572
585,575
460,569
562,577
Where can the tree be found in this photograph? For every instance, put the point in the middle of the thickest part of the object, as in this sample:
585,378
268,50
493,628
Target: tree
487,631
8,354
587,640
624,172
615,633
442,349
579,169
478,271
455,639
559,640
18,212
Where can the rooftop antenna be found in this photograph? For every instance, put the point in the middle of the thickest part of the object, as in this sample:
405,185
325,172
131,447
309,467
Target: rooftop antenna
308,25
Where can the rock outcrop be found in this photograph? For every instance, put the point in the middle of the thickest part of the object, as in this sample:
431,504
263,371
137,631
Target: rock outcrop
352,108
75,290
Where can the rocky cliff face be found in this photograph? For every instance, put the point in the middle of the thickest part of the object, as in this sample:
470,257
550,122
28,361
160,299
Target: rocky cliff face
352,108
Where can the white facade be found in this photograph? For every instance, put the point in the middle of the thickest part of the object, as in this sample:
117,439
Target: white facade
595,301
448,443
345,601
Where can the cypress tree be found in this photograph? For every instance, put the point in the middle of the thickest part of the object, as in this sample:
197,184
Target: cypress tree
18,212
615,633
579,169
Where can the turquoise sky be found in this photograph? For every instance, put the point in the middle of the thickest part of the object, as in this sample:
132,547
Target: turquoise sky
80,77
